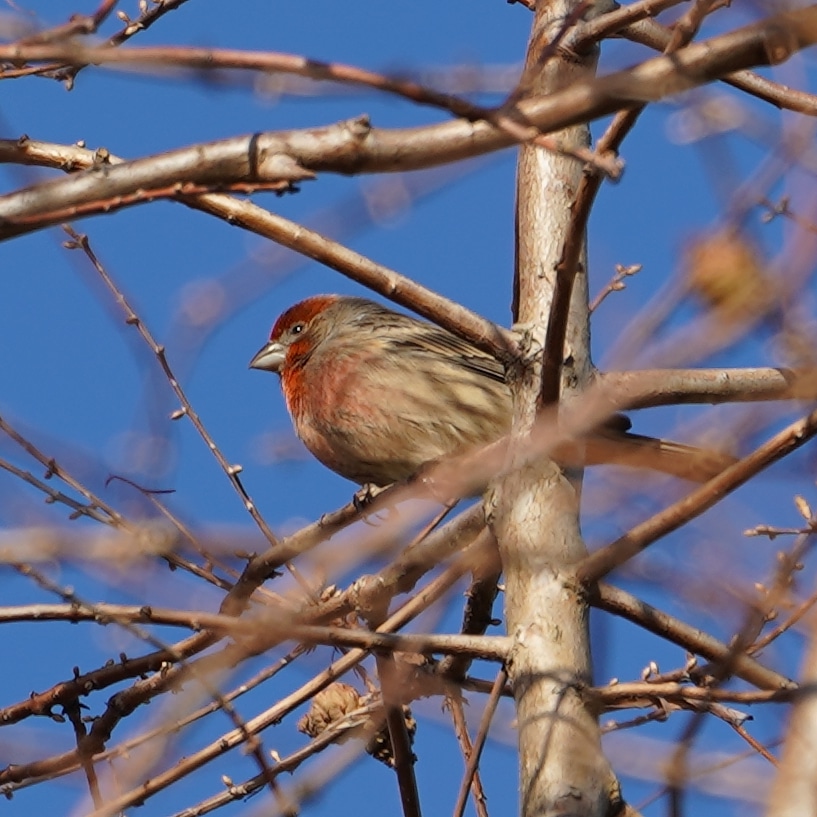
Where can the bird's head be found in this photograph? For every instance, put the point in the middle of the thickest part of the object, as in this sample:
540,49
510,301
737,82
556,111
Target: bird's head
295,335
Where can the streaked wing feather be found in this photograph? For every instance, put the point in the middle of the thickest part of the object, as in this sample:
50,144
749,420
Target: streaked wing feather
445,344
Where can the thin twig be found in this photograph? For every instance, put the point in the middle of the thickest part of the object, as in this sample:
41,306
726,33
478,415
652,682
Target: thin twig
479,741
621,603
606,25
74,714
194,760
91,510
354,147
454,704
126,747
404,758
755,744
654,35
90,744
232,471
78,24
568,267
761,643
604,561
54,469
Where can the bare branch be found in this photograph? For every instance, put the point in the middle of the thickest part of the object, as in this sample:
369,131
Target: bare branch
454,703
479,743
603,561
274,714
620,603
401,289
355,147
663,387
654,35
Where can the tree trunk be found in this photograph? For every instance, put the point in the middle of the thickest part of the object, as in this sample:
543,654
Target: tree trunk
534,511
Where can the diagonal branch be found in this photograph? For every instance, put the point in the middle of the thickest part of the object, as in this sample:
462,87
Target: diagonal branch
399,288
358,148
479,742
607,559
618,602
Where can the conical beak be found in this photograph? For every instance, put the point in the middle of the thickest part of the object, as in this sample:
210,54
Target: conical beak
270,357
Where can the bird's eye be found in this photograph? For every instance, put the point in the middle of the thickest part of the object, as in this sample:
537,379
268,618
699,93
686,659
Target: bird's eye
297,328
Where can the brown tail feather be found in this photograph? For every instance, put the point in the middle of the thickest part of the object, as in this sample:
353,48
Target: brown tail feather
637,451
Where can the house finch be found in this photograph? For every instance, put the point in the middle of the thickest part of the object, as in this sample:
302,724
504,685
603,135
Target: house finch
375,394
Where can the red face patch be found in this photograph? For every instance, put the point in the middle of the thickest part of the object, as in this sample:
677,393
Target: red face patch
301,313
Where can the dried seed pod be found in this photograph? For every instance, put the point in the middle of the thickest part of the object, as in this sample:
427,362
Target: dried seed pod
329,705
379,746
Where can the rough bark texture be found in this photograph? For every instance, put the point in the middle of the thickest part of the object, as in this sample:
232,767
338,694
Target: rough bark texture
534,511
562,769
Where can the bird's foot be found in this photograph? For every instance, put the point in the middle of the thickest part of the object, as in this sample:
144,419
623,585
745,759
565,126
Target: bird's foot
365,496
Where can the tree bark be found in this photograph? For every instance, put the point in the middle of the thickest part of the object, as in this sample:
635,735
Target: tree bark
534,510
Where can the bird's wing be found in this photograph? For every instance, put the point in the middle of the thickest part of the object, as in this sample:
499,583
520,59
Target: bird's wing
440,342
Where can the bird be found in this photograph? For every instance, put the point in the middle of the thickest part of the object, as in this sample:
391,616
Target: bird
375,395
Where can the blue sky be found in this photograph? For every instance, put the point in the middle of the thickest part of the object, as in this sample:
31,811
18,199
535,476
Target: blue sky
78,381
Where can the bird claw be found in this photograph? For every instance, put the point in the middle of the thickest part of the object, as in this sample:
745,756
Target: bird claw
364,496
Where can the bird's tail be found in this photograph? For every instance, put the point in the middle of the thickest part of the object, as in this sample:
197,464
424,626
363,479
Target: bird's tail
637,451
